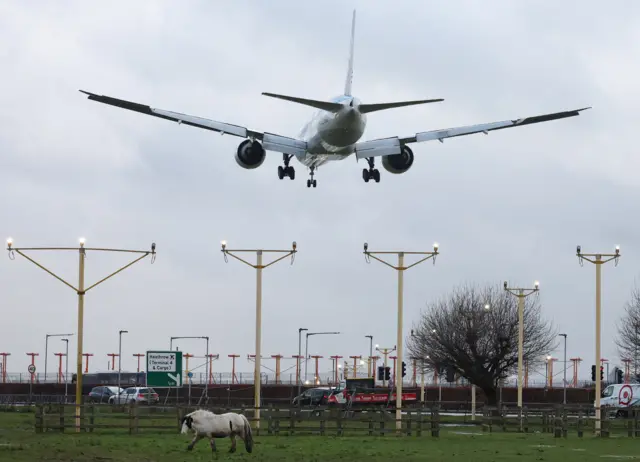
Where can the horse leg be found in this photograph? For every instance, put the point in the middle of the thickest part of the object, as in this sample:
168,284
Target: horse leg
194,441
212,443
233,442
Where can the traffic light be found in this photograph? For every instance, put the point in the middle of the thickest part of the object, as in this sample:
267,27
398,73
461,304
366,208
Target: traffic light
619,378
380,372
387,373
601,373
404,369
593,372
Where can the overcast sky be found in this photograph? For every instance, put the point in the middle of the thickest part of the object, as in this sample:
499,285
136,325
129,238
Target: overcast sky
512,205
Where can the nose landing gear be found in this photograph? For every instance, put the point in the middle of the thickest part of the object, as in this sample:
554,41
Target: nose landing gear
311,181
371,172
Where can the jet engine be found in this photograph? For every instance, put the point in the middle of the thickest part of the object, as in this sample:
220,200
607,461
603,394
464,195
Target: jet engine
250,154
398,163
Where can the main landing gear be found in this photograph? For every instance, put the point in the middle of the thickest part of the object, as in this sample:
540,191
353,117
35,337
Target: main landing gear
371,173
311,181
286,170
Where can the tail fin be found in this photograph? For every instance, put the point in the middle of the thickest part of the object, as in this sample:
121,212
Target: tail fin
347,85
248,435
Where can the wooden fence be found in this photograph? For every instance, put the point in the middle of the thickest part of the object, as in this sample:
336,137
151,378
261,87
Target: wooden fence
137,419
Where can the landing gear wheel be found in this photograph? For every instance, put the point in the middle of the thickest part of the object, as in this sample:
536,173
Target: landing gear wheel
281,172
314,183
311,181
371,173
286,170
290,171
308,183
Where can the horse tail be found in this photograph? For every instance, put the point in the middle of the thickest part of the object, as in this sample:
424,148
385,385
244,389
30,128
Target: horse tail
248,435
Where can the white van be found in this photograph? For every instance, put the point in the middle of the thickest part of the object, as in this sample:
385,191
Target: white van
620,396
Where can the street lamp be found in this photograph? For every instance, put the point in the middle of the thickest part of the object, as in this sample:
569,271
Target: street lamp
521,294
258,267
306,348
120,354
66,367
46,349
370,337
597,260
564,391
299,371
81,290
400,269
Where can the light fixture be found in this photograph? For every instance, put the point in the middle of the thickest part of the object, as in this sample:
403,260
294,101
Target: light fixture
361,362
377,346
487,307
294,245
9,242
578,250
366,246
536,285
505,285
435,246
617,249
82,240
548,357
224,244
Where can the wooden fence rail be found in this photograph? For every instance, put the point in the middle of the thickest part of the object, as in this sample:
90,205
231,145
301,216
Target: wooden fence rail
136,419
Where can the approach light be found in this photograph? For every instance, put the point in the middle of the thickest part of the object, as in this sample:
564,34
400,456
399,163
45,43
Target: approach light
366,246
536,285
505,285
9,242
487,307
435,246
224,244
548,357
578,250
294,245
617,250
82,240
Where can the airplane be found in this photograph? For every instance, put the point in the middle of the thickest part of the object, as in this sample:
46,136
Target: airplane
333,133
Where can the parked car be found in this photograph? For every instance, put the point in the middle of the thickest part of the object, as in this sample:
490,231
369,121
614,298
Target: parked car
142,395
313,396
103,393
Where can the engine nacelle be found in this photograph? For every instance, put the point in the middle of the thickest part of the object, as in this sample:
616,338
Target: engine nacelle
398,163
250,154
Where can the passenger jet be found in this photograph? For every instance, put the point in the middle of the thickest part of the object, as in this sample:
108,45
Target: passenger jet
333,133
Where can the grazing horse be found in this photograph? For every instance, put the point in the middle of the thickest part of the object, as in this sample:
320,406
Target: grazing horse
207,424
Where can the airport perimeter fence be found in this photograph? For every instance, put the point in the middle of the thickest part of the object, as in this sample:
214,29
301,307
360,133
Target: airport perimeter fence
133,419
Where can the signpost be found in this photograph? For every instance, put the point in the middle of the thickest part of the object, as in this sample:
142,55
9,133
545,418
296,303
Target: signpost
164,369
32,370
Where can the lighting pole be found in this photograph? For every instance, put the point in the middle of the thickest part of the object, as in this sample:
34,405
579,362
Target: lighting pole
81,290
206,338
299,355
370,337
564,391
120,353
521,294
306,348
597,259
46,349
258,267
66,368
400,269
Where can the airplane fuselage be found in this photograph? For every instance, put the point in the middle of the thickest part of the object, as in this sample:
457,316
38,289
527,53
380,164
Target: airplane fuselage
333,136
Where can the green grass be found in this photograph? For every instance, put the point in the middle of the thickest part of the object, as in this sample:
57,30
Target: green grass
19,442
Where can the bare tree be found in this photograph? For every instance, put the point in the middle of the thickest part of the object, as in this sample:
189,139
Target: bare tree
481,344
628,340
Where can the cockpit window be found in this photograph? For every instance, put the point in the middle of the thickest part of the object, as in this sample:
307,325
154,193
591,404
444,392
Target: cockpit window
607,392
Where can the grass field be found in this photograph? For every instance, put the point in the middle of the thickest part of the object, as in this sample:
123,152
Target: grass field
19,442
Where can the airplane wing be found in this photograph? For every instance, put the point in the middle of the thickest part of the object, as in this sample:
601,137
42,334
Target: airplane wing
393,145
270,141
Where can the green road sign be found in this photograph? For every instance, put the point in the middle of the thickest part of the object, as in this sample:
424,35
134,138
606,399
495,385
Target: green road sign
164,369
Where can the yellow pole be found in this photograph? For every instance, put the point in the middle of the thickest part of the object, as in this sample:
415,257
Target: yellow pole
473,402
598,299
80,336
520,344
399,343
256,378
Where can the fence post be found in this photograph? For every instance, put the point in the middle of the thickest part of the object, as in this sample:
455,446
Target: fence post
435,421
39,418
604,422
579,423
92,418
408,431
61,418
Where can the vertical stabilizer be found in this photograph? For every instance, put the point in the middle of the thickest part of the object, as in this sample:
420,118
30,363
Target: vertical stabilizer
347,85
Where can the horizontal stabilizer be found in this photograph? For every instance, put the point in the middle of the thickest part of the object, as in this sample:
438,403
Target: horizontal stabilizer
324,105
365,108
